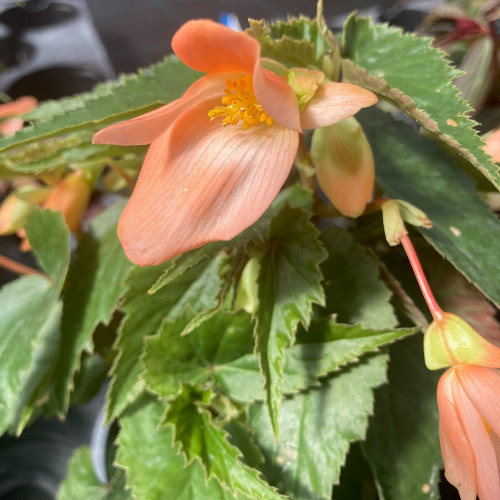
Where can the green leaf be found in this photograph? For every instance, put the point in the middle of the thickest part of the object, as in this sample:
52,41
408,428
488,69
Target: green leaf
29,317
197,288
417,170
94,286
324,348
129,96
297,42
80,482
201,438
180,264
354,291
316,429
402,443
289,283
155,469
171,359
416,77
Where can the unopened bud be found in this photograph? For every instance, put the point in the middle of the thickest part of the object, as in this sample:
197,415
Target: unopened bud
16,207
450,340
344,165
395,213
71,198
305,83
246,296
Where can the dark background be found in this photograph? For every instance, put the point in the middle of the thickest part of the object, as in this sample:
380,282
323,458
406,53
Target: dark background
138,32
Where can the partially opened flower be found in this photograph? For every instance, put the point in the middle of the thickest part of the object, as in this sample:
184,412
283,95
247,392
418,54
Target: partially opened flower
221,152
344,164
469,430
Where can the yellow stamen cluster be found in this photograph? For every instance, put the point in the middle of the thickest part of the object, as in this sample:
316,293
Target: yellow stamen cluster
239,104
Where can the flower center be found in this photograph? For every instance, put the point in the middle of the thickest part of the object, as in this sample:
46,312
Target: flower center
239,104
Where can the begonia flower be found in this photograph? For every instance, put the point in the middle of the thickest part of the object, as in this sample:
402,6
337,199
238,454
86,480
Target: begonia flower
469,430
220,154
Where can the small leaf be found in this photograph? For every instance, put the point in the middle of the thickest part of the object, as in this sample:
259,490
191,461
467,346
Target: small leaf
406,70
289,283
316,429
146,452
201,438
296,42
402,443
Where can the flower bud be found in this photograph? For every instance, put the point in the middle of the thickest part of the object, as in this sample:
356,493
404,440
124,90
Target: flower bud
14,210
71,198
13,214
246,296
395,213
450,340
305,83
344,165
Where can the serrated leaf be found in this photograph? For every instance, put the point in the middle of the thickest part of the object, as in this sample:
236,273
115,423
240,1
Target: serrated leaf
417,78
80,482
180,264
354,291
94,286
402,444
201,438
415,169
171,359
129,96
316,429
197,288
29,315
297,42
289,283
324,348
146,451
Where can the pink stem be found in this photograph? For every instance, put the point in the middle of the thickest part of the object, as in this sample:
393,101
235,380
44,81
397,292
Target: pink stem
16,267
436,311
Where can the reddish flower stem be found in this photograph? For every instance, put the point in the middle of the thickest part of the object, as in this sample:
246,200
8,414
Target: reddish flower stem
436,311
16,267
